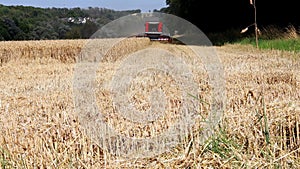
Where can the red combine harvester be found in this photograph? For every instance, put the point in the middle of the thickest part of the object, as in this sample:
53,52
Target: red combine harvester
154,31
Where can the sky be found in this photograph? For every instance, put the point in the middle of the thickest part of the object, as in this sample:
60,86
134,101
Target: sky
144,5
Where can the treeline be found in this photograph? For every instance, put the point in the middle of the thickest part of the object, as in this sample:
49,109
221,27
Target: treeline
218,16
222,21
31,23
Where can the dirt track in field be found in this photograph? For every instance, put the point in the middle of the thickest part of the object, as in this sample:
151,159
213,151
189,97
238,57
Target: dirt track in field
39,127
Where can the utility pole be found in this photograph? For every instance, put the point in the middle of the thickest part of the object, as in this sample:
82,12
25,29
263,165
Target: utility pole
255,22
252,2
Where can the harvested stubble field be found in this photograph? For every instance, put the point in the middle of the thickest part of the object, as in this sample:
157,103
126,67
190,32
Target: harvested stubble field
39,127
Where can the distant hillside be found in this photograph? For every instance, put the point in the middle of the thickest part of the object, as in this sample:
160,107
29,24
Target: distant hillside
31,23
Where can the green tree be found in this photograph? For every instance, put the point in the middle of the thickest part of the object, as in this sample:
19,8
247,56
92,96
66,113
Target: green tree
31,23
88,29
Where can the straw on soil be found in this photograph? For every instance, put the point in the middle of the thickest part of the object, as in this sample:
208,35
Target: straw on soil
40,128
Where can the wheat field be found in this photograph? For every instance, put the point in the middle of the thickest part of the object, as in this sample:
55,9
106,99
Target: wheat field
40,127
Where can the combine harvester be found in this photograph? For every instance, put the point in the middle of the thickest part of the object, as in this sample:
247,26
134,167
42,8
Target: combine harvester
154,31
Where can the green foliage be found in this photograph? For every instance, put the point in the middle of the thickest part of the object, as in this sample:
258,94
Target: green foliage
30,23
278,44
226,147
4,159
281,44
228,36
